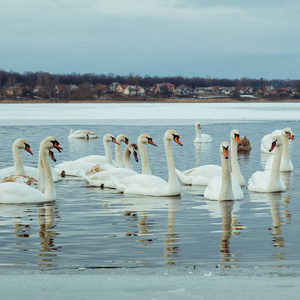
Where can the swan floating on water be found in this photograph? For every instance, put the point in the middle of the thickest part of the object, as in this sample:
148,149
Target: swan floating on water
82,134
201,137
12,192
149,185
224,187
269,181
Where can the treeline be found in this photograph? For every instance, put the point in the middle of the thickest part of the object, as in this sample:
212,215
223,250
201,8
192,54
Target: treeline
32,79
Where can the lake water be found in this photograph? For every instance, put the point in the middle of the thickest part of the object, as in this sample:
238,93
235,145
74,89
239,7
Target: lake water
94,228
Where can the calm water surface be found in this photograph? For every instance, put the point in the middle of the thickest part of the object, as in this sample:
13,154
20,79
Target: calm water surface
90,227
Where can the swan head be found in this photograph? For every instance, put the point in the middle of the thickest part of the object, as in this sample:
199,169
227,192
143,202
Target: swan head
224,149
110,138
276,142
133,148
197,125
235,135
288,133
122,138
172,135
51,142
146,139
22,144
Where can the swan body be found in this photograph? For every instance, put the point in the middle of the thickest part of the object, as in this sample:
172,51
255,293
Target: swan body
12,192
200,137
149,185
234,143
86,163
286,164
82,134
224,187
269,181
103,179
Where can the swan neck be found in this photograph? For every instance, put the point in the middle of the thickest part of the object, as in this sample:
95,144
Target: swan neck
198,131
236,172
285,150
118,150
226,187
144,159
49,188
18,162
126,159
173,180
107,152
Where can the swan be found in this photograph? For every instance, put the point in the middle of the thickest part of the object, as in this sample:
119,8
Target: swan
224,187
18,170
118,150
245,144
102,178
234,143
286,164
149,185
269,181
267,140
12,192
201,138
82,134
144,139
203,174
86,163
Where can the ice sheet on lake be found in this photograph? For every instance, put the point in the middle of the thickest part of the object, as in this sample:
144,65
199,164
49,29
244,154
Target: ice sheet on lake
90,113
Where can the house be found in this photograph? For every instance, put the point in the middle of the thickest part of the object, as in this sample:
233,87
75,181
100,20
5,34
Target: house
132,90
121,88
113,86
184,90
161,88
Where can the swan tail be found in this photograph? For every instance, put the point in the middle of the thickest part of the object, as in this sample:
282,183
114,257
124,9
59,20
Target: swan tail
116,182
183,178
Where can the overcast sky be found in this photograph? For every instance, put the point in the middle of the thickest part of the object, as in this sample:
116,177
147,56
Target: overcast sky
203,38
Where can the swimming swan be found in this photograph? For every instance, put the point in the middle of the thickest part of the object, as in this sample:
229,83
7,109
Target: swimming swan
86,163
102,178
201,138
286,164
149,185
82,134
224,187
269,181
11,192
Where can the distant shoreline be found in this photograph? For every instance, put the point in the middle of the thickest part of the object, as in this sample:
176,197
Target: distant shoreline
156,100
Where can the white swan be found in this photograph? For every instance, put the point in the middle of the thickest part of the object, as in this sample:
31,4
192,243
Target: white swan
82,134
203,174
11,192
18,169
144,139
269,181
201,138
224,187
86,163
234,143
103,179
118,149
267,140
286,164
149,185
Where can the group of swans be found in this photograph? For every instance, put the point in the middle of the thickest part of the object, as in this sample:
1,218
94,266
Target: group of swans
103,177
82,134
16,192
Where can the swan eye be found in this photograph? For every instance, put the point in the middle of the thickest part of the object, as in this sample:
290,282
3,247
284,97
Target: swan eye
126,141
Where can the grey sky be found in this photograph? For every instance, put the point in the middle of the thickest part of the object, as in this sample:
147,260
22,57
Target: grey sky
224,39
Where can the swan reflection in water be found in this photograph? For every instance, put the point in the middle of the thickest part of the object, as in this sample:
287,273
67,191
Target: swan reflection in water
201,147
279,208
230,226
139,209
21,216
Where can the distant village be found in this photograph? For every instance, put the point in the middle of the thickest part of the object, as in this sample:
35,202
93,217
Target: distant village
160,90
74,87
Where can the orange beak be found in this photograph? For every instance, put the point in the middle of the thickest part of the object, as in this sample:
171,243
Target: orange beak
56,146
27,148
272,146
226,153
237,138
114,141
151,142
176,139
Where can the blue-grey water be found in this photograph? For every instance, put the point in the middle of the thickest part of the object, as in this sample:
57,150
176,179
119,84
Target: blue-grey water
91,227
